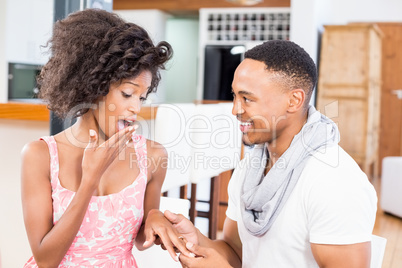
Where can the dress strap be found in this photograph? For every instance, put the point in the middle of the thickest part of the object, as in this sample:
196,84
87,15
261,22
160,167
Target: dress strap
54,158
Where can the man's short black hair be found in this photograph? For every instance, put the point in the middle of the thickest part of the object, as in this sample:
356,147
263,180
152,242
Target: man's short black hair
289,60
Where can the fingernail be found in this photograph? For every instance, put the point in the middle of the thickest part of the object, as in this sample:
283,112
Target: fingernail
130,128
192,255
92,133
135,126
189,245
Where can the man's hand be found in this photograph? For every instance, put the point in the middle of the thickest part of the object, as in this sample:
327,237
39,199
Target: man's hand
183,226
157,226
210,253
205,258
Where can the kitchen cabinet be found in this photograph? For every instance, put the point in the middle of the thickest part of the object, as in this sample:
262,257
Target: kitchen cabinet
224,29
391,102
349,89
177,6
28,27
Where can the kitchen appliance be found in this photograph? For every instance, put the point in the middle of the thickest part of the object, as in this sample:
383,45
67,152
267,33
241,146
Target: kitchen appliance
220,64
225,34
22,81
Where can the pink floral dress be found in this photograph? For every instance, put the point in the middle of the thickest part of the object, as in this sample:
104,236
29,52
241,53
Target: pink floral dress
111,223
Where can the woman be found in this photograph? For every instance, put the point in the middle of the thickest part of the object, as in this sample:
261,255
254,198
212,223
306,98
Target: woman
87,191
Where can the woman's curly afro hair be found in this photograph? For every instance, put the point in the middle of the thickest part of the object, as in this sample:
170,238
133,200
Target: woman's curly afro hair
90,50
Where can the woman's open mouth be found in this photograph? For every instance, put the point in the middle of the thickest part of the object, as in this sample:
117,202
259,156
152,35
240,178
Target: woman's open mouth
122,123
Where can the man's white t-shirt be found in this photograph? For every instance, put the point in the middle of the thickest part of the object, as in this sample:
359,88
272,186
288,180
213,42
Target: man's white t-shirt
332,203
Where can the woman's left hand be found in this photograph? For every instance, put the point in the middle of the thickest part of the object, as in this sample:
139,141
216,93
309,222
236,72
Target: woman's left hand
158,227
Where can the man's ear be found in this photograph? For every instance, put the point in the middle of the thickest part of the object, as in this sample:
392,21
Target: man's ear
296,100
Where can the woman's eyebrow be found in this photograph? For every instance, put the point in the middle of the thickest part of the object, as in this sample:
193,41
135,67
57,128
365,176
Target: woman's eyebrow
134,84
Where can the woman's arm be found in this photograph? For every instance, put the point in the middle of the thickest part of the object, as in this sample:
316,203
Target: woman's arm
154,223
157,156
49,243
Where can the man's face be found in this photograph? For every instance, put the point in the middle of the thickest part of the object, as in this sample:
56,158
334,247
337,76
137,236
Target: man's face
260,103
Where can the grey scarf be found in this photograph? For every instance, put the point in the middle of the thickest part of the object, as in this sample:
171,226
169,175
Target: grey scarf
262,198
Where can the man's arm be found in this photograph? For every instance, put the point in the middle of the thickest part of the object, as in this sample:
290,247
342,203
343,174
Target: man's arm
230,247
351,256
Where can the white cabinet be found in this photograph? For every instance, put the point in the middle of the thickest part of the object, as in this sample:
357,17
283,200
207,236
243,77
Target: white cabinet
154,22
28,27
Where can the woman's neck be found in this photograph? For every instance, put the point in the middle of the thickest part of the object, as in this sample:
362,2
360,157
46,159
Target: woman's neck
78,134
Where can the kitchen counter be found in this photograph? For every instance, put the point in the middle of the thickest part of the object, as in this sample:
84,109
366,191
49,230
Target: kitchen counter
39,112
36,110
24,111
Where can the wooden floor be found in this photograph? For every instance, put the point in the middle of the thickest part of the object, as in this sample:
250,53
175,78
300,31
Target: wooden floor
390,227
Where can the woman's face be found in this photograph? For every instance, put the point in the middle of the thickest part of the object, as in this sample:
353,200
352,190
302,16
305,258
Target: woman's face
119,108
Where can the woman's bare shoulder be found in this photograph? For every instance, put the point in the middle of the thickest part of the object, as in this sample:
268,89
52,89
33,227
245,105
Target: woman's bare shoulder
35,156
36,148
155,149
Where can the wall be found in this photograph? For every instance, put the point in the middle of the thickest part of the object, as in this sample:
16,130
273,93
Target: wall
3,65
181,76
14,247
29,26
344,11
154,21
24,26
303,21
309,16
303,28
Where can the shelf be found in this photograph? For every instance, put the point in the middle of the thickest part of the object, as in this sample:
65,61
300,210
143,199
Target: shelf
247,24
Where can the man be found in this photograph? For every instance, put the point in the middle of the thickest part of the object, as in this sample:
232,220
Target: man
298,200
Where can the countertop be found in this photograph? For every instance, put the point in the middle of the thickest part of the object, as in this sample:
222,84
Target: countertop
37,111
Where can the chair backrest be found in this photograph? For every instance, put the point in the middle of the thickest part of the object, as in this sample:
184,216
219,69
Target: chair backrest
378,245
170,130
202,141
216,140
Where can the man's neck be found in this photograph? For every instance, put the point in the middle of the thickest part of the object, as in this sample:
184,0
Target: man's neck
279,145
